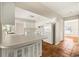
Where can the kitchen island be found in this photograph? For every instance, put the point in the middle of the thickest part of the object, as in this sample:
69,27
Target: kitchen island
21,46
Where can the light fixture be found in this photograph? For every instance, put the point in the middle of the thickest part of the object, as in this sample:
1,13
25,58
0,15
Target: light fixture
31,16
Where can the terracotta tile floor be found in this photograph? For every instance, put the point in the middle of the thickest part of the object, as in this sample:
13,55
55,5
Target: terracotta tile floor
67,48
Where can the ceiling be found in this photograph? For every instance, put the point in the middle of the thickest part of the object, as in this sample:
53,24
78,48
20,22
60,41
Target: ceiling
37,8
65,9
50,9
27,15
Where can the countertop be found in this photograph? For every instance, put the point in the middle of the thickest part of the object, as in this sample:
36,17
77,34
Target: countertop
19,40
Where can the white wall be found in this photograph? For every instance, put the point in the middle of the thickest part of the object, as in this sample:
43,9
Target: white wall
78,25
59,28
46,29
0,32
45,21
0,26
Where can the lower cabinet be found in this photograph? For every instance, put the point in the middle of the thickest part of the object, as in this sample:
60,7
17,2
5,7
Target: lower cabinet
32,50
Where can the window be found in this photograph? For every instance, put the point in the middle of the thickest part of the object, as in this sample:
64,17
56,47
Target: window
71,27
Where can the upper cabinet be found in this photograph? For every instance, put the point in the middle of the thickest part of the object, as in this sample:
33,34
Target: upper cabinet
7,13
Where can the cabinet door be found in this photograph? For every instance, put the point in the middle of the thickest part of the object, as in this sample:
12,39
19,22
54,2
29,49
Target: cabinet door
19,52
30,51
4,52
7,52
26,51
10,52
35,50
39,49
7,11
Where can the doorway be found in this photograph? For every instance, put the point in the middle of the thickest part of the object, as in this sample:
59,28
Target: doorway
54,33
71,31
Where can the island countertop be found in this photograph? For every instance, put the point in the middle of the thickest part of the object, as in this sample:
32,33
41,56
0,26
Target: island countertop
18,41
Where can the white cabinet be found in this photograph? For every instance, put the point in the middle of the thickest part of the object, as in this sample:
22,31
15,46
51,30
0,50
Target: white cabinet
31,50
7,11
26,51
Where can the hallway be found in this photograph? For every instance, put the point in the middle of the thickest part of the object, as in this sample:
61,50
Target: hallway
67,48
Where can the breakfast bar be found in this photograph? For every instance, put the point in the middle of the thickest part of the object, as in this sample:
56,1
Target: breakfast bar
21,46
